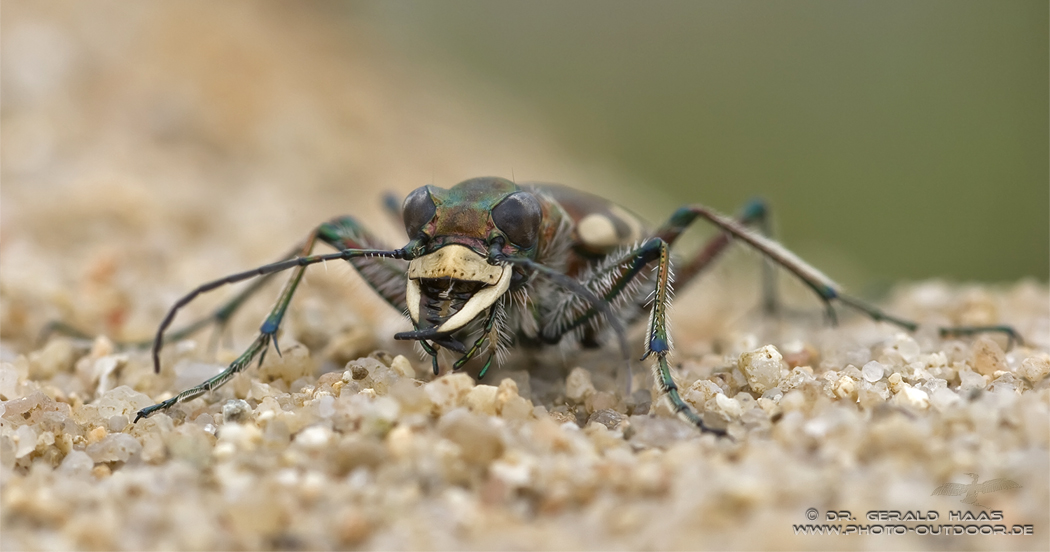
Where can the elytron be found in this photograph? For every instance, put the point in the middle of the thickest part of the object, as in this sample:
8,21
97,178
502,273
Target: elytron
491,264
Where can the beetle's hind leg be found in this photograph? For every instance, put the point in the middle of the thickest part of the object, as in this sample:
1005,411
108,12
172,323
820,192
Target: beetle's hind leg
755,214
825,289
945,331
341,233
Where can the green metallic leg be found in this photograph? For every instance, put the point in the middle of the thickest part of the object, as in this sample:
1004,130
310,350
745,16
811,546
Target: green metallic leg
386,276
268,331
486,334
258,347
658,340
619,275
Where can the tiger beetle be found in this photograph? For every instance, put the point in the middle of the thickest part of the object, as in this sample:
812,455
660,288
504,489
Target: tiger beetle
498,264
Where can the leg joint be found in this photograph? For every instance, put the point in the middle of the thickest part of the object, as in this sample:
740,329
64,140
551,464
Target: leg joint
755,209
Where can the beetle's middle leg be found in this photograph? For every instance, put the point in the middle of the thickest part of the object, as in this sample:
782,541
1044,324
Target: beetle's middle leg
615,283
658,340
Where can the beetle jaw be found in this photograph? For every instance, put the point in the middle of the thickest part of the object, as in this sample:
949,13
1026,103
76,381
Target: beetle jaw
457,263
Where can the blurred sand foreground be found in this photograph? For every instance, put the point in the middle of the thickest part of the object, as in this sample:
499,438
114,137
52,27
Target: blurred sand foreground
150,147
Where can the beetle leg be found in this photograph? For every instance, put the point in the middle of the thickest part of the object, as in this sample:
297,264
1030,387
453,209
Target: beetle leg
609,282
614,278
754,214
478,342
221,316
268,331
258,347
385,275
613,285
825,288
947,331
430,350
583,292
658,340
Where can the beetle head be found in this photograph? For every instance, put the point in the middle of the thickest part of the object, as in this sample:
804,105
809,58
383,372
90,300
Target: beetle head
456,236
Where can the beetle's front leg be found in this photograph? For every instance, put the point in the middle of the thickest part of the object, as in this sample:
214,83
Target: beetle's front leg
338,232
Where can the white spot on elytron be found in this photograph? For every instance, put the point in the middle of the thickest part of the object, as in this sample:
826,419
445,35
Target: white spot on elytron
597,230
632,222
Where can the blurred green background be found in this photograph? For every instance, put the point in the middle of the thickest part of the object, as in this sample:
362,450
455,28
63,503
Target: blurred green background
894,139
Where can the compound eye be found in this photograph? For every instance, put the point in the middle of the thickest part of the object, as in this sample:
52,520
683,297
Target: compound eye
417,210
518,216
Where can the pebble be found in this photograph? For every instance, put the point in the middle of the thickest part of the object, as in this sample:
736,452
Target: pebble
403,367
76,463
122,401
516,408
515,472
314,438
609,418
731,407
448,392
873,371
845,388
8,381
1035,368
353,526
478,439
57,356
354,343
600,400
969,381
762,367
913,397
25,436
236,411
578,385
901,349
944,398
114,447
988,356
482,399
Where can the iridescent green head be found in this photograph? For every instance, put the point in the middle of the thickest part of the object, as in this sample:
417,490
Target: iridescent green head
456,235
476,213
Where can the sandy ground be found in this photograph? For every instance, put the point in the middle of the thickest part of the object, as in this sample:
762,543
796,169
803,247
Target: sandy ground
149,148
